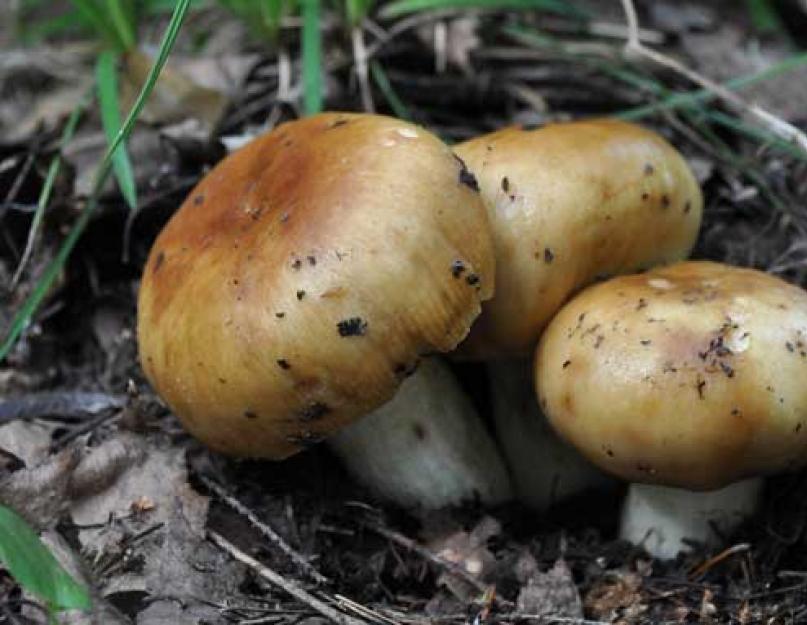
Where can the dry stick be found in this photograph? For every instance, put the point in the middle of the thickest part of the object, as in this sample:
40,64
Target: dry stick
452,567
283,74
362,75
290,586
20,178
513,617
264,529
80,430
440,46
703,567
404,25
776,125
29,242
362,610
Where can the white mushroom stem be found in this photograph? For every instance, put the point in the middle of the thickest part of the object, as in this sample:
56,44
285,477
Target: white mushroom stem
545,469
427,447
660,518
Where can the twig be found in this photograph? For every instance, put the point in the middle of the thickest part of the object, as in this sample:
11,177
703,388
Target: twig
440,47
264,529
283,74
362,610
47,188
289,586
513,617
362,75
64,405
704,567
83,428
406,24
452,567
776,125
20,178
548,619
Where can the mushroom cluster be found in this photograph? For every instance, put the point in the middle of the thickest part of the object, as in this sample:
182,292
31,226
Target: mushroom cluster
305,286
568,204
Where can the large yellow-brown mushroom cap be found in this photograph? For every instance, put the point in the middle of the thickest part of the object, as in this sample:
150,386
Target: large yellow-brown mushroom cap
305,275
693,375
569,203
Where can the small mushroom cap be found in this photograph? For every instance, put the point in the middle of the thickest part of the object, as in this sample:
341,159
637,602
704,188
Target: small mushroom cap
692,375
570,203
305,275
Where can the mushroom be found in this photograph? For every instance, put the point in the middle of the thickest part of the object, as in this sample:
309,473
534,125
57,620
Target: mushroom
545,469
686,378
427,447
306,275
569,204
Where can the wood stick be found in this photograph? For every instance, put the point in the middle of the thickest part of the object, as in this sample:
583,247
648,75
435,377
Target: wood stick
289,586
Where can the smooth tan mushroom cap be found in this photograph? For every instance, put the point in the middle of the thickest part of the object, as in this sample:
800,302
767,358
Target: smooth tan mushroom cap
569,203
691,375
305,275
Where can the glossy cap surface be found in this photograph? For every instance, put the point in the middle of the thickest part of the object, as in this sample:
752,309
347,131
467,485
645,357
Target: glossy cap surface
304,277
570,203
693,375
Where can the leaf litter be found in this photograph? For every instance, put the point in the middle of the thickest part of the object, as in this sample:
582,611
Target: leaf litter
125,499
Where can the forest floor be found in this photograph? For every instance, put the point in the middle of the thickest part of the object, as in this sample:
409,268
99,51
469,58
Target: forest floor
151,521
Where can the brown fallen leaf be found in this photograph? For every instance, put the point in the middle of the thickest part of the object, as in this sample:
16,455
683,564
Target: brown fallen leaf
29,441
613,595
39,493
468,550
161,550
47,84
175,97
553,593
151,158
42,491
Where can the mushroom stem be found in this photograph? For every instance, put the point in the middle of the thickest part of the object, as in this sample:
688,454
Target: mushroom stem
427,447
545,469
664,519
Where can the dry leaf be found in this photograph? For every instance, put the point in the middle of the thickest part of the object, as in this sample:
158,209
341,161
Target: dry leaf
468,550
614,594
175,97
553,593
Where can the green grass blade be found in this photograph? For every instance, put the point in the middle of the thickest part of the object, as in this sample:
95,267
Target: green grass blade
312,58
99,21
382,81
106,81
356,11
121,17
47,187
33,566
33,301
694,102
544,41
158,7
764,16
262,17
669,101
70,22
756,133
560,7
699,96
271,17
